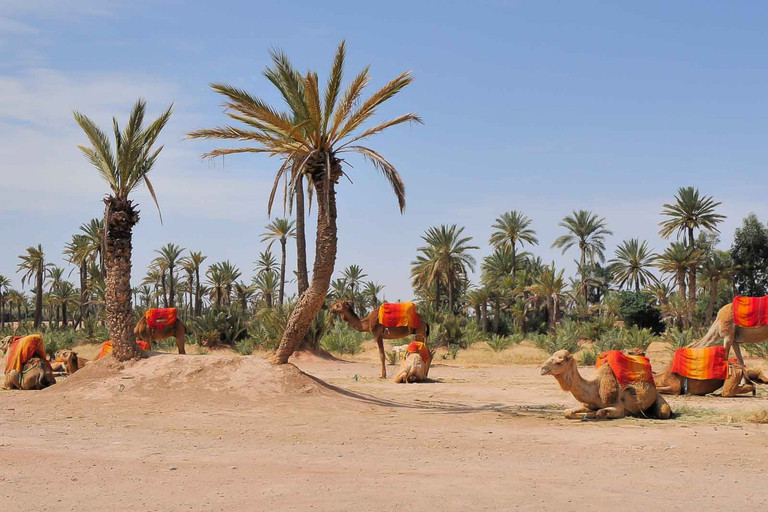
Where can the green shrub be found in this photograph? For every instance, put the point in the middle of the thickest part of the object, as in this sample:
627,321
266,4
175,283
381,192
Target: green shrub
588,357
566,337
393,358
757,349
638,308
56,340
453,352
499,343
229,324
680,338
342,339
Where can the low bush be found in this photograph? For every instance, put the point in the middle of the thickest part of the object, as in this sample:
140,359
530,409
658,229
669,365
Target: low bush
342,339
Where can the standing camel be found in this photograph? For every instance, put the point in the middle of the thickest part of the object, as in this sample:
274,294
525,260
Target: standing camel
732,335
371,324
144,332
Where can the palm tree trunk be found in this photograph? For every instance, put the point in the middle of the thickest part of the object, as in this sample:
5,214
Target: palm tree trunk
120,219
325,258
165,290
84,291
583,276
64,314
712,297
198,305
39,297
171,292
268,298
484,313
437,294
496,314
691,281
681,287
2,311
281,293
301,240
477,316
450,296
18,313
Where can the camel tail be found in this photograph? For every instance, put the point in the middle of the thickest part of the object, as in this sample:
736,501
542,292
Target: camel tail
709,340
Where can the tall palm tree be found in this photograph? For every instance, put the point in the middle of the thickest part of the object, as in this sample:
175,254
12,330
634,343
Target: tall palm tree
371,292
510,229
279,230
33,265
170,255
216,281
16,298
311,138
192,264
229,274
266,283
444,260
690,212
631,264
550,286
5,285
717,267
55,278
244,294
124,169
588,231
676,260
496,268
266,262
64,295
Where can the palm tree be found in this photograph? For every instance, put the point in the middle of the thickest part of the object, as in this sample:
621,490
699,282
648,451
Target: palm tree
444,260
17,299
279,230
33,265
124,170
371,293
229,274
217,285
64,295
718,266
550,287
311,139
265,283
5,284
676,261
55,278
631,264
510,229
690,212
266,262
192,265
496,268
244,294
170,255
588,231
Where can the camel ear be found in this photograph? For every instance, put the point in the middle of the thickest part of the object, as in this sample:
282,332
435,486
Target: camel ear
568,356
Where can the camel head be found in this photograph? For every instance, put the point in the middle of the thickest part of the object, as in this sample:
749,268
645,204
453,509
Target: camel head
560,362
340,306
69,357
5,343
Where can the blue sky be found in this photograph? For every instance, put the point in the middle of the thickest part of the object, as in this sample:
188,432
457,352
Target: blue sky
543,107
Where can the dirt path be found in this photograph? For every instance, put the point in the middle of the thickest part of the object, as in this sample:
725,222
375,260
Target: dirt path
227,433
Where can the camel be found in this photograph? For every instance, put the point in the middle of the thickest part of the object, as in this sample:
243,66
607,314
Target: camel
177,329
67,361
371,324
669,383
35,374
732,335
413,368
601,396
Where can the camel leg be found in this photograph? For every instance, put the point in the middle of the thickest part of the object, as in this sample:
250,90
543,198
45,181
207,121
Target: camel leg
180,333
579,413
611,413
737,350
668,390
661,408
380,343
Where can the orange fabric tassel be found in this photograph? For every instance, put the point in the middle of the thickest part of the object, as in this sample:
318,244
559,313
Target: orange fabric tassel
106,348
418,347
399,314
750,311
700,363
627,369
159,318
23,349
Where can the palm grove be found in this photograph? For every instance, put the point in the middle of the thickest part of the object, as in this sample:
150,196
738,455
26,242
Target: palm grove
517,294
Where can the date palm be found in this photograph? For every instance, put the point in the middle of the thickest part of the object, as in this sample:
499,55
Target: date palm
229,274
5,285
510,229
266,262
587,231
170,255
676,261
33,265
496,268
279,230
690,212
124,169
311,138
16,298
371,292
192,264
244,294
717,267
63,296
632,263
550,287
265,283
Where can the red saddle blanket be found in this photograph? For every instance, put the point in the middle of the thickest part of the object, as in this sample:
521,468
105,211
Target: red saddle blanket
23,349
750,311
701,363
627,369
159,318
106,348
418,347
399,314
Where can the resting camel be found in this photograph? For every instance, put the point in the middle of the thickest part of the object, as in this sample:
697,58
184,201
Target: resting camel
34,375
146,333
669,383
67,361
371,324
601,396
732,335
413,369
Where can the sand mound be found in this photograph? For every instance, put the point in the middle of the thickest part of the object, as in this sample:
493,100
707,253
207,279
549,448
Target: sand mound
190,375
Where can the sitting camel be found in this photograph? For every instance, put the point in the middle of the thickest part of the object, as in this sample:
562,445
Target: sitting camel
415,366
732,335
178,330
68,362
601,396
36,374
669,383
371,324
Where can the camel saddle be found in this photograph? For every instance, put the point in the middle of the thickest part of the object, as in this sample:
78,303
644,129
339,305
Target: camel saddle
160,318
399,314
23,349
701,363
750,311
627,369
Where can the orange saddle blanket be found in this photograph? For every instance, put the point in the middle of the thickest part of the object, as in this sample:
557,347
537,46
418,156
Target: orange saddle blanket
627,369
106,348
399,314
750,311
23,349
701,363
159,318
418,347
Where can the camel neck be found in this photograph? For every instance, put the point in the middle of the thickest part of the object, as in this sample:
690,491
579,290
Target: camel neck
353,320
573,381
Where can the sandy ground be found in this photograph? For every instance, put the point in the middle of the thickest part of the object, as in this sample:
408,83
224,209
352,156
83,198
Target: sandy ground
222,432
